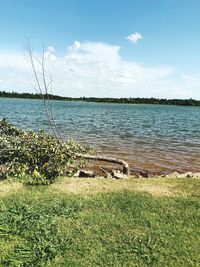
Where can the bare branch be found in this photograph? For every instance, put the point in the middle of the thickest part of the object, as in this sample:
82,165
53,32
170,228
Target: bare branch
40,87
125,165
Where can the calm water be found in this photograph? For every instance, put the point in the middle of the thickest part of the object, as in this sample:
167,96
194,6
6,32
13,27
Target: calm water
149,137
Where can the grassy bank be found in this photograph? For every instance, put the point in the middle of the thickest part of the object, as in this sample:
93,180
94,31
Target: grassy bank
100,222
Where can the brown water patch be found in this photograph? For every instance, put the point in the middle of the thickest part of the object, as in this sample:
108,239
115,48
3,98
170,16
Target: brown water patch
157,161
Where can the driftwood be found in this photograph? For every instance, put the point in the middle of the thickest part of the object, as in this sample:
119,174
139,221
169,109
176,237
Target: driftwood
125,165
104,171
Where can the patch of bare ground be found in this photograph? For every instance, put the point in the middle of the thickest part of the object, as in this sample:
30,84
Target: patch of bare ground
156,186
8,187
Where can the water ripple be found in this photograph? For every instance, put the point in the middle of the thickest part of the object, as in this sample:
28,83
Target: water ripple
149,137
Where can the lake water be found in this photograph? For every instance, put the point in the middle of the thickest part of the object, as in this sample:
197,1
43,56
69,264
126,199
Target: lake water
152,138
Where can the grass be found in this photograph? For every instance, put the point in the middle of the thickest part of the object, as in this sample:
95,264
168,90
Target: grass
101,222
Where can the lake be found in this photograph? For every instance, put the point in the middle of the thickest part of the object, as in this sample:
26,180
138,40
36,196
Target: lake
152,138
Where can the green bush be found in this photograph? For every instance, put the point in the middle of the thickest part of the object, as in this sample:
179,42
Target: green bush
39,155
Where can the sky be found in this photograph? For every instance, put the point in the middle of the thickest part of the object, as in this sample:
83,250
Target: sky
115,48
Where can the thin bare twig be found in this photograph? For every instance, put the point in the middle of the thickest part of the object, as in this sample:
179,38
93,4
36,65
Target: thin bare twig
39,87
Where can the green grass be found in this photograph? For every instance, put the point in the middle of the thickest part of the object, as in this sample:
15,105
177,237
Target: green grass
138,223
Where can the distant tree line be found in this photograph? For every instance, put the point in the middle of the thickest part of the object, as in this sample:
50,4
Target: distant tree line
131,100
29,95
137,100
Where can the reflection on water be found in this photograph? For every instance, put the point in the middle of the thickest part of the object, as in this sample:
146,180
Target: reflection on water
150,137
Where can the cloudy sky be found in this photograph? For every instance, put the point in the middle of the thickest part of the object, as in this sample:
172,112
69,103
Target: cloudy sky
130,48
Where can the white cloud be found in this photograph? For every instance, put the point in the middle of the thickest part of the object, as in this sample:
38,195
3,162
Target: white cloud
75,47
96,69
50,54
51,49
134,37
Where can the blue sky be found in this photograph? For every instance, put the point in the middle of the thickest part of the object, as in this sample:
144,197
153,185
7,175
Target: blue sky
164,63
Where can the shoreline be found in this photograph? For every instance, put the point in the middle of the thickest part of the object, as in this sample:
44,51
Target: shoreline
99,170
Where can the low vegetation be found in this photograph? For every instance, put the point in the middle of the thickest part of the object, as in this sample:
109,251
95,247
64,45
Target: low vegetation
100,222
39,155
